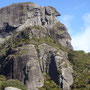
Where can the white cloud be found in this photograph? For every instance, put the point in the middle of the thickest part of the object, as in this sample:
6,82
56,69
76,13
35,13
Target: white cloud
82,40
86,19
66,19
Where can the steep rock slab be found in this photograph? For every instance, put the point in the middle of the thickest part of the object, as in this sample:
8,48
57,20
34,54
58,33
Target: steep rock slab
55,63
18,14
24,66
22,15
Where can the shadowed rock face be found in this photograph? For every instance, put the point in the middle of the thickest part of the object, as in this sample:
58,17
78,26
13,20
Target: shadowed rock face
23,65
53,70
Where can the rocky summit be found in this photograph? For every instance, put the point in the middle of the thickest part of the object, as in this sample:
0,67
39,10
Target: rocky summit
34,49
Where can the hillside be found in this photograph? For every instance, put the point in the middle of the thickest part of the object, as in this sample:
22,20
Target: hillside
36,50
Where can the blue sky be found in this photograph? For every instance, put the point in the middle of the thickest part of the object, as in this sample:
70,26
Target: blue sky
75,14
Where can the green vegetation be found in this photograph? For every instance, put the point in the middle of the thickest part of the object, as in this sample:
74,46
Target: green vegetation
18,40
2,78
22,38
59,71
37,27
11,83
49,84
57,25
48,40
79,60
81,66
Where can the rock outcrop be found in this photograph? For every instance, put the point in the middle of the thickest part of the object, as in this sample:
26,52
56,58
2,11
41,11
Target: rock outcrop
18,14
24,66
55,63
38,44
16,17
23,15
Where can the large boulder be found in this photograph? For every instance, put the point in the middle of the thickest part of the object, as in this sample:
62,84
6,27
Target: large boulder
55,63
11,88
22,15
23,65
18,14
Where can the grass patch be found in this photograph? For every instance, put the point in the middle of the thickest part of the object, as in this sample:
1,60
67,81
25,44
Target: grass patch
49,84
13,83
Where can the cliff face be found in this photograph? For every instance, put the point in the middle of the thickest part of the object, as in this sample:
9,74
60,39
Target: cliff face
37,44
28,13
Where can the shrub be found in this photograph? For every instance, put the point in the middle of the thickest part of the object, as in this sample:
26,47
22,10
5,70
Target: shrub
13,83
49,84
37,27
80,62
2,78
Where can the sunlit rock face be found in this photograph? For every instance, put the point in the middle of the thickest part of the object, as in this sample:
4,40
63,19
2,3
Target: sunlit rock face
11,88
18,14
23,15
17,17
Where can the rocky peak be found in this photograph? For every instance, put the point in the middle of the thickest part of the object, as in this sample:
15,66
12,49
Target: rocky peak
17,14
37,45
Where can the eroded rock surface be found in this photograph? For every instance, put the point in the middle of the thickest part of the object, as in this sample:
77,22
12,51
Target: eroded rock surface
27,65
23,15
24,66
18,14
55,63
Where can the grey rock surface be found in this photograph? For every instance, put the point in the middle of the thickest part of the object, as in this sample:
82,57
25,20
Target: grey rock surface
11,88
24,66
55,63
23,15
18,14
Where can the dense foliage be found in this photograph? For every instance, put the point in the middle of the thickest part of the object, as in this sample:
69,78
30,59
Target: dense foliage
81,66
11,83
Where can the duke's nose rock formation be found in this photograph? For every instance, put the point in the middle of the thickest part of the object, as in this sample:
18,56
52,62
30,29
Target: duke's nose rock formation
37,44
18,14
